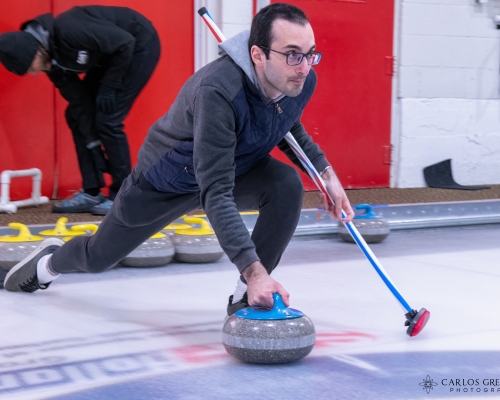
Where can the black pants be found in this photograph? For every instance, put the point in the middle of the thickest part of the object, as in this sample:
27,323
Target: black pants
109,127
139,211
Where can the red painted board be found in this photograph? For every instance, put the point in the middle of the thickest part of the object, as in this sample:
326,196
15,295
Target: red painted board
349,115
26,111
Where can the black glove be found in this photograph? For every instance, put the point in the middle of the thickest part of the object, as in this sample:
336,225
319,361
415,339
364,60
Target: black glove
106,99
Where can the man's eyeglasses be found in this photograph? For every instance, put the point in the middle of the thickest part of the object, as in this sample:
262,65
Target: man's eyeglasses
294,58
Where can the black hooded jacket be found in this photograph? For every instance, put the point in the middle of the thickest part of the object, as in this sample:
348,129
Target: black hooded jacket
84,37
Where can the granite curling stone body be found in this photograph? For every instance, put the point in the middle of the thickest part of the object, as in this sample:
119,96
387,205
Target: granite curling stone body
14,248
261,336
371,226
158,250
197,245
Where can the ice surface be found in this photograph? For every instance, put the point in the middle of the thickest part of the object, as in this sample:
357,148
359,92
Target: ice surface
156,333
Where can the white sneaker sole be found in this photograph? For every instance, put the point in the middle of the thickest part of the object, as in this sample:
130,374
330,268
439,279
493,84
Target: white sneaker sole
46,243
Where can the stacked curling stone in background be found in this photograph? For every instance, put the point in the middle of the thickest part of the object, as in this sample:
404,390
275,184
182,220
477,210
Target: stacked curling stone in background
158,250
196,245
192,244
371,226
86,229
182,241
263,336
175,226
14,248
60,230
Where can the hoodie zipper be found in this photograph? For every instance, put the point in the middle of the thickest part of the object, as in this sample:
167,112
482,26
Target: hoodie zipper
278,111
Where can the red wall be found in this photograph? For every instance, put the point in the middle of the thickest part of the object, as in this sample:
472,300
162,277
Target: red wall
26,111
349,115
43,140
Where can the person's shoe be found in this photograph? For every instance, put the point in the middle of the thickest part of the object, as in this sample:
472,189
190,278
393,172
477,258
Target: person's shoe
22,277
232,308
102,208
78,202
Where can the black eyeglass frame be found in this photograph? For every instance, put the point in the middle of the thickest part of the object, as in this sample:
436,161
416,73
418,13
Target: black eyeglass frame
315,53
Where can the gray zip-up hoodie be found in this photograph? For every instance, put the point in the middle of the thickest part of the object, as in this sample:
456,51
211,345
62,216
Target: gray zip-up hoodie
220,126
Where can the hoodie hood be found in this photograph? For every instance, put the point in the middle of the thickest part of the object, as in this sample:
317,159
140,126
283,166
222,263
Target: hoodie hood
42,29
236,47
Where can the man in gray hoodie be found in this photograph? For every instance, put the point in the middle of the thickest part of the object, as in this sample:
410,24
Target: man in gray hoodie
211,149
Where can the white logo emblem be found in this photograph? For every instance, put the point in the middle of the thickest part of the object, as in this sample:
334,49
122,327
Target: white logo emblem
82,57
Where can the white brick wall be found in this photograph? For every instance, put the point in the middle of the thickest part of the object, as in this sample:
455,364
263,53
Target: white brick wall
448,97
231,16
236,16
467,131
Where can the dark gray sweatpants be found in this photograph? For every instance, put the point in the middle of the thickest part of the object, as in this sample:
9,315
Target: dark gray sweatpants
139,211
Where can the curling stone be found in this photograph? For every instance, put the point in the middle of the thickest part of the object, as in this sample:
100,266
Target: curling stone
371,226
14,248
197,245
82,230
263,336
170,229
156,251
60,230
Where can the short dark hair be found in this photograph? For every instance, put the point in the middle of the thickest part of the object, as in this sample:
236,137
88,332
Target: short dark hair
262,23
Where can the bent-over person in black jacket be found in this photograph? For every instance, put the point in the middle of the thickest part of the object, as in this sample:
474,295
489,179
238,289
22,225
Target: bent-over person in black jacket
118,49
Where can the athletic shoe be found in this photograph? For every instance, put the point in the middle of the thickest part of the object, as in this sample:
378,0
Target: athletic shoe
22,277
78,202
232,308
102,208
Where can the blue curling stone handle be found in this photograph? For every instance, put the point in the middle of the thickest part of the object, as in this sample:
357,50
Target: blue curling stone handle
369,214
279,311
